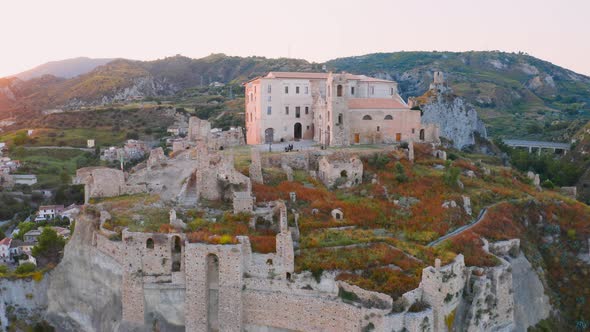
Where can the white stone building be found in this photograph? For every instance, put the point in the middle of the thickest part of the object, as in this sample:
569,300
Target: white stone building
332,109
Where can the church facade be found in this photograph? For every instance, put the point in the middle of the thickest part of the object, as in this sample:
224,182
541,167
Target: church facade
333,109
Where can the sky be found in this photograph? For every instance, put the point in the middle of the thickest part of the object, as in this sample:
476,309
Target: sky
38,31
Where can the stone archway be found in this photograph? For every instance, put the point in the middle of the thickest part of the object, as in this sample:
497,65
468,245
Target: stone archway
269,134
297,131
212,293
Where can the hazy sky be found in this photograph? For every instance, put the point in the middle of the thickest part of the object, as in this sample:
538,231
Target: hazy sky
34,32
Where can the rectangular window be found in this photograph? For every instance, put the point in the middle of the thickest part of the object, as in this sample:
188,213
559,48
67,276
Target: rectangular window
413,130
352,90
269,110
297,112
372,90
287,110
307,127
286,90
269,98
297,90
378,128
306,110
392,91
306,90
269,88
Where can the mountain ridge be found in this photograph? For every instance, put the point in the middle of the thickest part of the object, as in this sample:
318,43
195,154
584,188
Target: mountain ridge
515,93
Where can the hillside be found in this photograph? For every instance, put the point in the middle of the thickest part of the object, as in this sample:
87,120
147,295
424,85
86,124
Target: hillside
63,68
516,95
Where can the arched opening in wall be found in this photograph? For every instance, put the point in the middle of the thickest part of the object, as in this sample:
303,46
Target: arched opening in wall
212,293
288,276
367,117
269,261
176,253
297,131
339,90
340,118
269,134
422,134
221,148
149,243
388,117
343,174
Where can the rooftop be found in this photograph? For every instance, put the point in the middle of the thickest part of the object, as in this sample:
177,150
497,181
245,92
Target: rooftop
376,103
318,76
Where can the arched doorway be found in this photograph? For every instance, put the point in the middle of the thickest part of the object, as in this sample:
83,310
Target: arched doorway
297,131
212,293
421,134
176,248
269,134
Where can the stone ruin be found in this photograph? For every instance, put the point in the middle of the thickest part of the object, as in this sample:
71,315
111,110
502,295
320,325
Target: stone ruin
105,182
156,158
340,170
255,169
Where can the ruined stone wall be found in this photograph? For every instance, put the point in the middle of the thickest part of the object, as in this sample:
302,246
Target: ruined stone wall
299,313
198,129
230,286
255,166
333,168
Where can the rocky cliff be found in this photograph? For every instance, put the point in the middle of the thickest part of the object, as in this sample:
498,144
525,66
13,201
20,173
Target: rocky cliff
458,120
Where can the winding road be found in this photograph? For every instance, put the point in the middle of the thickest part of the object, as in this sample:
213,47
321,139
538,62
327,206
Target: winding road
459,230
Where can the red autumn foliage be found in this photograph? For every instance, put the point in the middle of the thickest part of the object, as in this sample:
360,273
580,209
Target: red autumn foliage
263,244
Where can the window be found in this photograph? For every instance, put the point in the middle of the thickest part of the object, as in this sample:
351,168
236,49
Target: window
339,90
269,110
149,244
352,90
392,91
388,117
298,112
372,89
269,98
413,130
307,128
378,128
269,89
286,110
367,117
306,110
340,118
286,90
297,90
329,90
306,90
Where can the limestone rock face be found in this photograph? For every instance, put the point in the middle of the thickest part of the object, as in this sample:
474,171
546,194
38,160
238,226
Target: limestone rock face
85,289
458,120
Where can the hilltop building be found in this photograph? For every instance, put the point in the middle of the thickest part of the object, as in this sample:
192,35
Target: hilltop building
332,109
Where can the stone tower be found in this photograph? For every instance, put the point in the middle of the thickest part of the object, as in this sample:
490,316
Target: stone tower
338,124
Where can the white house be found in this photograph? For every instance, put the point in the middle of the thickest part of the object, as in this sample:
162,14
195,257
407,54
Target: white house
48,212
26,179
5,249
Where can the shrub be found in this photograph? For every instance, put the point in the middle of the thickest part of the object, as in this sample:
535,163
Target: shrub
418,306
548,184
400,175
451,176
25,268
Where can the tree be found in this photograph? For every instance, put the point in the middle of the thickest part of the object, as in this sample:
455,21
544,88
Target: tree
49,246
23,228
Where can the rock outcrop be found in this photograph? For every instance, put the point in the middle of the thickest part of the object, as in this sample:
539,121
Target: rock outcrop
458,120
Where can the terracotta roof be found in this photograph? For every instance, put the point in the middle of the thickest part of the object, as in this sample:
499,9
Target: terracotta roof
376,103
304,75
294,74
5,241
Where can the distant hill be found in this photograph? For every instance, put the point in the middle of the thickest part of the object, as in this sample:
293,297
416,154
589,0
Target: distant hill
63,68
516,95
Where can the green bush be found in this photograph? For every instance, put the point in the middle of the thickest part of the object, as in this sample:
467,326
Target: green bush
451,176
25,268
548,184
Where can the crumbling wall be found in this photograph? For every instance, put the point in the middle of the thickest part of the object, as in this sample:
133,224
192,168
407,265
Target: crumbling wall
255,166
340,170
229,307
